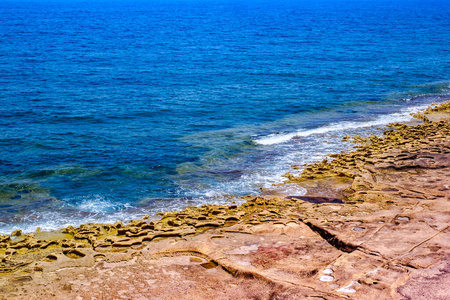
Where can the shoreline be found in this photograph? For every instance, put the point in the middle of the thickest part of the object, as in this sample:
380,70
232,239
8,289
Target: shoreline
47,220
383,205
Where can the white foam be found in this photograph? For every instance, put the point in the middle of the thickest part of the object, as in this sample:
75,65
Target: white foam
90,209
403,116
98,204
48,221
275,138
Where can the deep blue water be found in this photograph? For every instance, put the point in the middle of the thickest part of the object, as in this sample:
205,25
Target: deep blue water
111,109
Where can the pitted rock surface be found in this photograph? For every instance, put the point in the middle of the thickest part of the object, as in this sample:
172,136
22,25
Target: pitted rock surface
374,224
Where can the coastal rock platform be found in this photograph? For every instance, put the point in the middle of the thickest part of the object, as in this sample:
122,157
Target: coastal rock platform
374,224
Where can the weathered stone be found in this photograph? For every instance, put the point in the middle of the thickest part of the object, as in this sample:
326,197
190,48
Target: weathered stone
387,229
17,232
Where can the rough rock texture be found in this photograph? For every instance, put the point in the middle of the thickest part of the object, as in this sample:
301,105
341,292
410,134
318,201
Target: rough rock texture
373,225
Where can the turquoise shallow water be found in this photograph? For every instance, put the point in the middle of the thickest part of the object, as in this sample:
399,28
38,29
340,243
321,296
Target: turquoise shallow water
111,109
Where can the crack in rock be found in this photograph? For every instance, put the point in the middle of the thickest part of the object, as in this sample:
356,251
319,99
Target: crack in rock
332,239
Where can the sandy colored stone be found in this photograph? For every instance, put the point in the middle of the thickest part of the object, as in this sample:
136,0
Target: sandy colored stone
374,224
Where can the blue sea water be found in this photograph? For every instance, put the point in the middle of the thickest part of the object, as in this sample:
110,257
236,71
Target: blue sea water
113,109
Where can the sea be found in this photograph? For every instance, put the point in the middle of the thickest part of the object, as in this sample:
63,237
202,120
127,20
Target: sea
114,109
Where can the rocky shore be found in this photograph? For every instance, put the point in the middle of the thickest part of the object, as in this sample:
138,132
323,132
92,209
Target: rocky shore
374,224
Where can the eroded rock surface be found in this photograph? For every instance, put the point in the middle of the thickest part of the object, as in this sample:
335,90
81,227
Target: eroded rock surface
373,225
